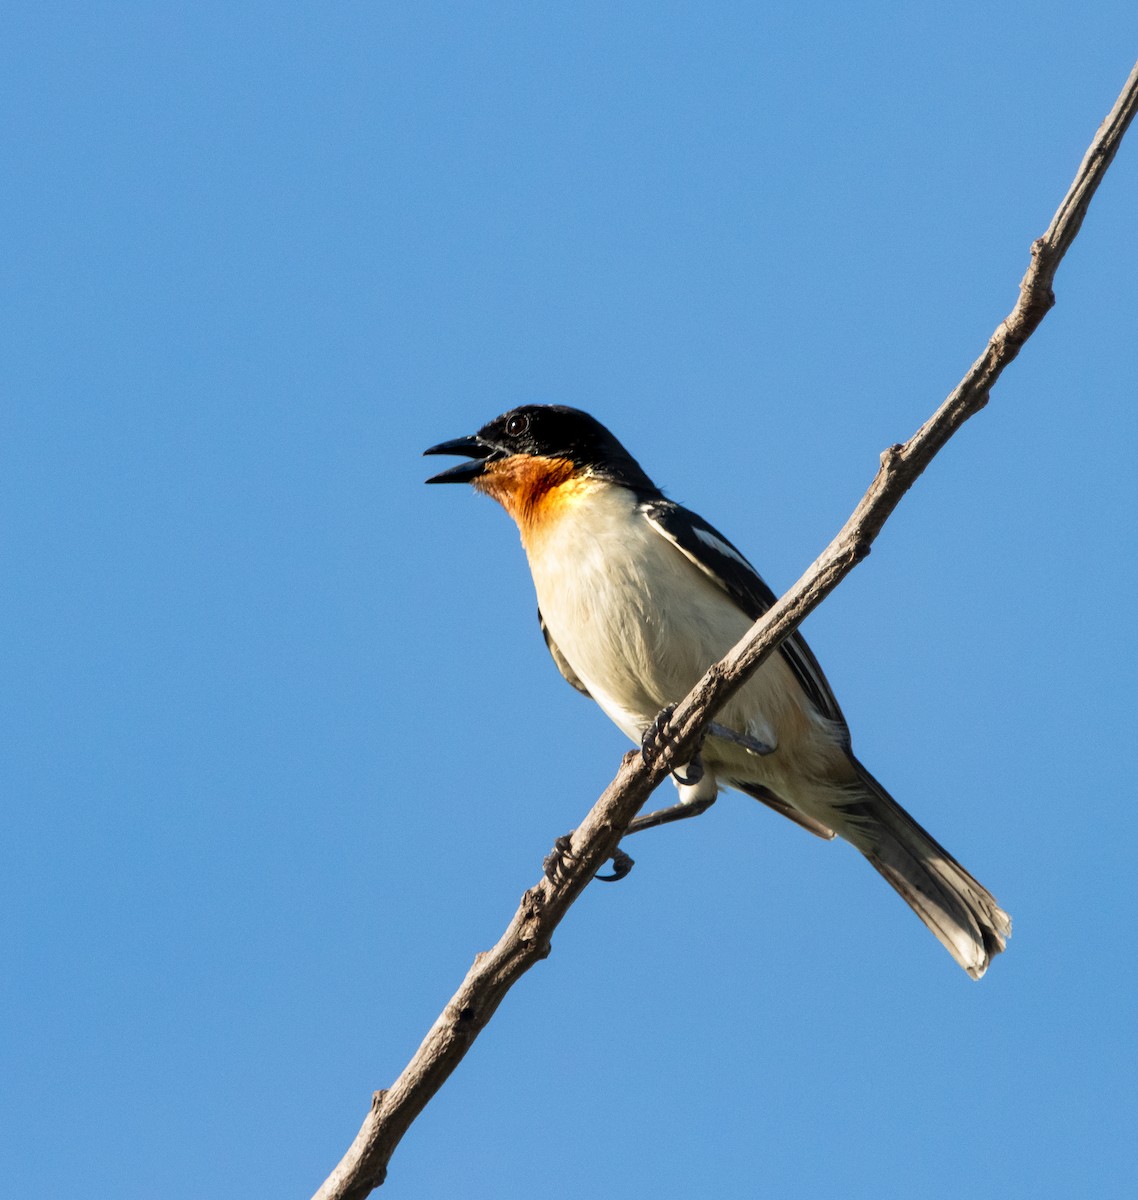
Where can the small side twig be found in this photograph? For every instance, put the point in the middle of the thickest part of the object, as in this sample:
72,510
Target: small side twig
527,939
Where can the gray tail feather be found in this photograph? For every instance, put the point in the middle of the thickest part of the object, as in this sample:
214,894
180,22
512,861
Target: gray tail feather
961,912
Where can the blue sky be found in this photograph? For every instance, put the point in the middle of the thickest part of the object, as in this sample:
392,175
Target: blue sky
282,744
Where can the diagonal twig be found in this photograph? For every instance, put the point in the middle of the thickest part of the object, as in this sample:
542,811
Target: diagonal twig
527,939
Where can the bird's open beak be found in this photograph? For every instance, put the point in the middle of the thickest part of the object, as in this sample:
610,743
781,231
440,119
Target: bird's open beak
479,451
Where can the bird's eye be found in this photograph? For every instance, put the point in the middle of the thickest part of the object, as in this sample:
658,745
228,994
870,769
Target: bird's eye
517,425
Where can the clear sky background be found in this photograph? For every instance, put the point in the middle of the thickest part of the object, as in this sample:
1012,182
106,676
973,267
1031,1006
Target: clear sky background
282,744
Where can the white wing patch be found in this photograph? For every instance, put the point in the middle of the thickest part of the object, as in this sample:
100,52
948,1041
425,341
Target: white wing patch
720,546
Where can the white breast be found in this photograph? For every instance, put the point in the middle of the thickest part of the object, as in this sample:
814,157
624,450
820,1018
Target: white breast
638,623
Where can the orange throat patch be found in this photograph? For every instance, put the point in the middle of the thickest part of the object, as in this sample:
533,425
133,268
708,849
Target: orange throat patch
534,490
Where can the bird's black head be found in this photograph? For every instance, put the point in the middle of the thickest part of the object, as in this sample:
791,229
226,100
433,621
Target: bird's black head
547,431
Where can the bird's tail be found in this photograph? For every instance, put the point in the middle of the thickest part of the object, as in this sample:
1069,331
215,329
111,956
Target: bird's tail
961,912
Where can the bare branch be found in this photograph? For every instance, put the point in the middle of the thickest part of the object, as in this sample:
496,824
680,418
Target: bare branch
527,940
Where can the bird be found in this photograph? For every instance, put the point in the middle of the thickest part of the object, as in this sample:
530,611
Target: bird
638,596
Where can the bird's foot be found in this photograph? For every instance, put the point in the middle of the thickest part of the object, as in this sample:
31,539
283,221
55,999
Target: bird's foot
656,738
558,859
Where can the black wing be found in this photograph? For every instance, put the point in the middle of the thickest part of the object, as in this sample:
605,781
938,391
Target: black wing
706,548
560,659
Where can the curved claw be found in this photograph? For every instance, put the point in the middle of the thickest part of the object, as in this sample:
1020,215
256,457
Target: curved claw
555,861
621,865
693,774
654,740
